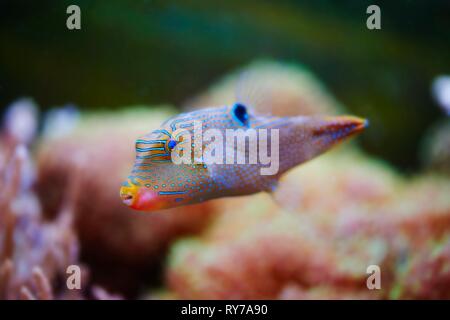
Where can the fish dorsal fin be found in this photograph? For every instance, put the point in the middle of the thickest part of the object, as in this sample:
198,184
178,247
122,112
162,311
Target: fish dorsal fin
270,88
252,92
278,89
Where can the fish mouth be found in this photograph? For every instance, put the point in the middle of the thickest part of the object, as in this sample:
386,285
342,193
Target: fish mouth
341,127
127,197
141,199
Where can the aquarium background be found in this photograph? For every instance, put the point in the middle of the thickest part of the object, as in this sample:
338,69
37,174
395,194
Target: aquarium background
73,102
153,52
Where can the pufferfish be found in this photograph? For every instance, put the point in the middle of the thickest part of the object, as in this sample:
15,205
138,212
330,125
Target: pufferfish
158,182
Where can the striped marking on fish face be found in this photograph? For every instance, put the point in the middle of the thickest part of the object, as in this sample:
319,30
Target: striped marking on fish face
154,147
158,146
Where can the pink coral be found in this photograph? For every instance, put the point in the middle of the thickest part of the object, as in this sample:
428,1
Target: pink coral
34,254
34,251
320,245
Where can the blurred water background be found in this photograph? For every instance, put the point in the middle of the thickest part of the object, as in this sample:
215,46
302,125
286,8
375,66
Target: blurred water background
153,52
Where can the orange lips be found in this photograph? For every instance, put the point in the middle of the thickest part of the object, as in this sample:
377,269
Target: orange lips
139,198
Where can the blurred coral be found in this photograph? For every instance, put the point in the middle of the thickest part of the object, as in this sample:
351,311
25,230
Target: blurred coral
325,223
427,274
436,148
346,212
34,254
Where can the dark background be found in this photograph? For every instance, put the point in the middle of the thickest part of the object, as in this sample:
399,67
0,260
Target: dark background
151,52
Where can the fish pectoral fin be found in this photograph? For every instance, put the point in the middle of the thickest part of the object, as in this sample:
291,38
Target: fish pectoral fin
272,186
286,197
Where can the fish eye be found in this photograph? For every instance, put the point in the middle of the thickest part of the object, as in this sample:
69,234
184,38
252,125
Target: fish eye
171,144
239,112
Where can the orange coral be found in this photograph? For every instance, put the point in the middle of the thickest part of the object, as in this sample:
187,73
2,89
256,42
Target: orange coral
322,243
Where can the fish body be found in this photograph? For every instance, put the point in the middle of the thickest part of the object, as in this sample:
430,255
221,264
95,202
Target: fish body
216,165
